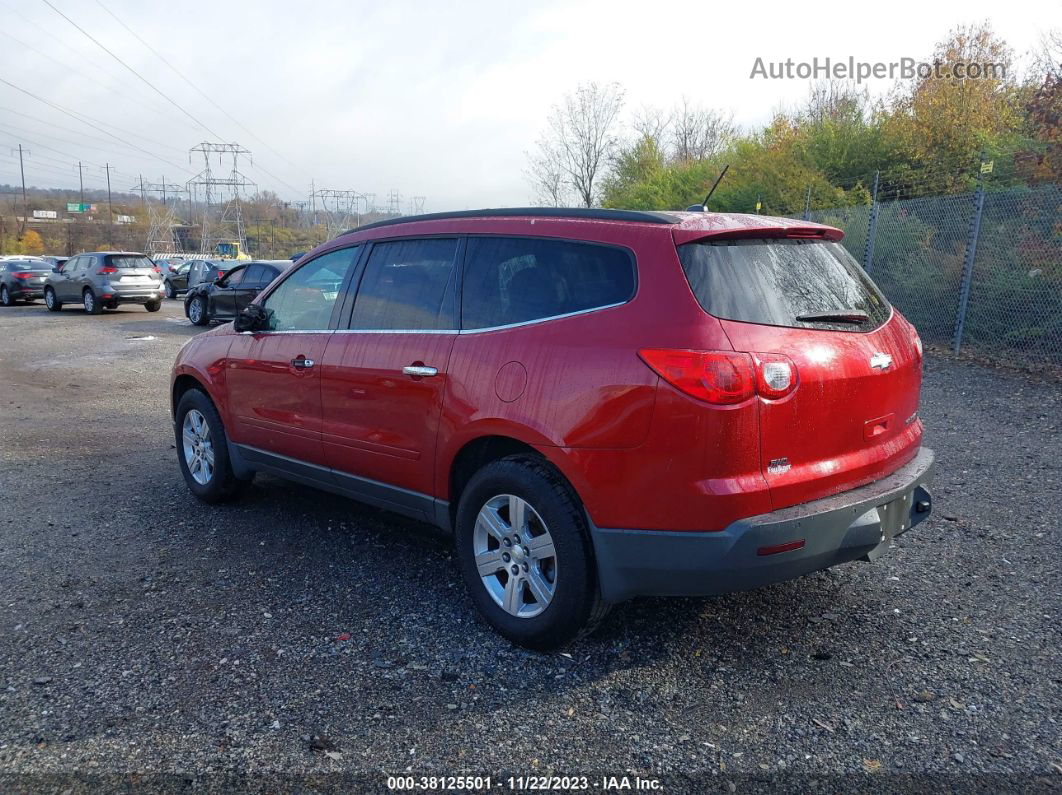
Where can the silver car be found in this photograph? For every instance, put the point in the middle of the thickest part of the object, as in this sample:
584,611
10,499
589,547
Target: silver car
104,279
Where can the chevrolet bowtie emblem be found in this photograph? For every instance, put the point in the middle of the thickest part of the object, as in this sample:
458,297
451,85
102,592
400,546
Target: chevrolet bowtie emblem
880,361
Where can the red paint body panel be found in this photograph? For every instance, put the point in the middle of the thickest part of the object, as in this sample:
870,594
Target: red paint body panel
378,422
273,405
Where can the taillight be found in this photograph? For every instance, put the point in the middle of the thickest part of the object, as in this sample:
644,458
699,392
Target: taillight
107,269
723,377
157,269
22,275
719,377
776,375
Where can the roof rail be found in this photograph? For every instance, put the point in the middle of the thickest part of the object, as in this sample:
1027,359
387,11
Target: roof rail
589,213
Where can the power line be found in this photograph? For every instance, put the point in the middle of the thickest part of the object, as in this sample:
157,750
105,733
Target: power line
198,90
139,76
140,103
85,119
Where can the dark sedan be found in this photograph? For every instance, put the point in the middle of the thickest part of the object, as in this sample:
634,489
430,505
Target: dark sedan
22,279
223,299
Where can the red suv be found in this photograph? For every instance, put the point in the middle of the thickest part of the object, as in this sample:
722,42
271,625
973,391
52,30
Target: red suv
598,403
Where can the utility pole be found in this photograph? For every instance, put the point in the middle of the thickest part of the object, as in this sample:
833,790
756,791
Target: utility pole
25,211
110,208
143,196
81,182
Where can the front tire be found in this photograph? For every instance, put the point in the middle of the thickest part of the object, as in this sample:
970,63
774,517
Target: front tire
5,296
92,304
202,449
153,306
51,300
524,550
197,311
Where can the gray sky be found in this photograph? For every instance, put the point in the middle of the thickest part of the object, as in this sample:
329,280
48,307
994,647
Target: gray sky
427,98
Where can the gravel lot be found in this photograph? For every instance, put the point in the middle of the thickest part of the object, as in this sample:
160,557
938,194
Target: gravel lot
144,632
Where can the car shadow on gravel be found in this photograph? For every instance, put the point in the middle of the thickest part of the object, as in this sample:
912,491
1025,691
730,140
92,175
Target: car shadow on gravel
375,568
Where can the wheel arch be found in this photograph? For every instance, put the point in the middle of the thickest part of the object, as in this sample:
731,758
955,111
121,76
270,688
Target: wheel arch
480,451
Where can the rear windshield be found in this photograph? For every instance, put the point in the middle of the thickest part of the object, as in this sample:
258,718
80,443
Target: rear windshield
29,265
128,261
797,283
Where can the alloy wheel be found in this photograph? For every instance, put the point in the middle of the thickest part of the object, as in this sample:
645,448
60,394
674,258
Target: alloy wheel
515,556
90,301
195,311
198,447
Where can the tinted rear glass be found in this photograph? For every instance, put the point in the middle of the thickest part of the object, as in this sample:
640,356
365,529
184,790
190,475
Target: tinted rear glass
407,284
774,282
128,261
516,280
28,265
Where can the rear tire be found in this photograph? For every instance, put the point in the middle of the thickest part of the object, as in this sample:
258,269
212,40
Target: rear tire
202,449
197,311
5,296
553,522
153,306
170,292
51,300
92,304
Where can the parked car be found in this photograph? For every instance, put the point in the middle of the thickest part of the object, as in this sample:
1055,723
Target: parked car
104,279
207,270
175,278
599,404
22,280
55,261
224,298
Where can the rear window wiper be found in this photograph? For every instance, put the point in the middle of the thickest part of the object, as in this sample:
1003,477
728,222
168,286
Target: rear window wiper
853,316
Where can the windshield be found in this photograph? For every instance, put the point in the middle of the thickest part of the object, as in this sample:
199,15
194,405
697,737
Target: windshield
798,283
129,261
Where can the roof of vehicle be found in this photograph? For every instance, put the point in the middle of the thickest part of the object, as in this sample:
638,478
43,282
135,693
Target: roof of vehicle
687,225
122,253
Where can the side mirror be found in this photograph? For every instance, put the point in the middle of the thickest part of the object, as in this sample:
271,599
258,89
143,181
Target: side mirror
253,318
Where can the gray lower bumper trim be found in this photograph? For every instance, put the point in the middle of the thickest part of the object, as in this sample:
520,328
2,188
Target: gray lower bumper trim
854,524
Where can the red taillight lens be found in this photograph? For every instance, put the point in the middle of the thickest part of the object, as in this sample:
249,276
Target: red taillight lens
157,269
22,275
724,377
107,269
776,375
720,377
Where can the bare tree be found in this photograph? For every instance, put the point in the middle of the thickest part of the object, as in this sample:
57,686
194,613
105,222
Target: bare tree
652,124
548,178
698,133
580,141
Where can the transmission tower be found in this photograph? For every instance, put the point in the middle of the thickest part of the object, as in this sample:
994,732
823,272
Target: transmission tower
416,205
161,237
220,233
394,203
341,208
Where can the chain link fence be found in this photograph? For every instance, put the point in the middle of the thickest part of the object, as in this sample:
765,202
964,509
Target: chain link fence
978,272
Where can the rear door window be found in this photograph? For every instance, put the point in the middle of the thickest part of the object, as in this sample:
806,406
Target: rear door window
518,280
408,285
128,261
795,283
255,276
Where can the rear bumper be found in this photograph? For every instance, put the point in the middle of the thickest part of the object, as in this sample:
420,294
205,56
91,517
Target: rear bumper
36,291
854,524
133,296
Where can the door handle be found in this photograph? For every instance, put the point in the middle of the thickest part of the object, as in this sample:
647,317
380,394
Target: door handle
302,363
419,370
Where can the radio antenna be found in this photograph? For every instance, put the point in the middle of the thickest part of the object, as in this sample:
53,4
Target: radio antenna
718,179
